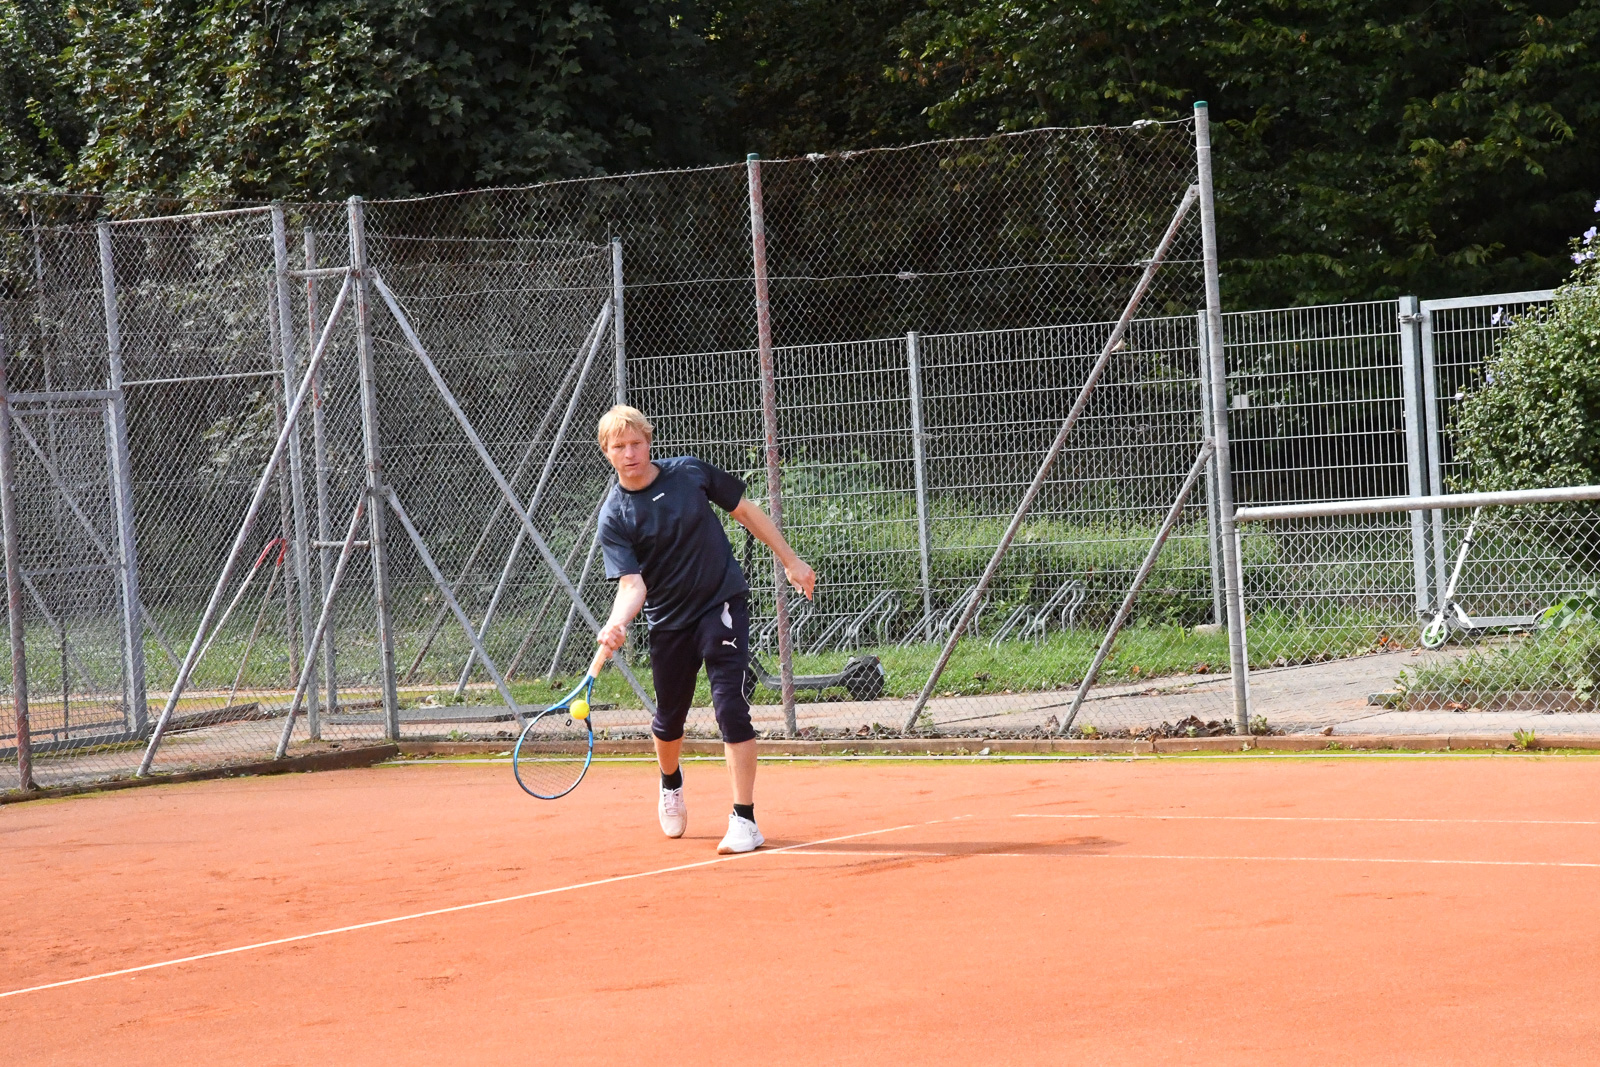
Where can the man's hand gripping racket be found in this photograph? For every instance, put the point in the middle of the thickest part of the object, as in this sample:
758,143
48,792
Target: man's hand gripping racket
557,746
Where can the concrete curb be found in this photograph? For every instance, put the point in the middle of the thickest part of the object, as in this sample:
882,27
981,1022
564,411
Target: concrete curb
368,755
333,760
969,746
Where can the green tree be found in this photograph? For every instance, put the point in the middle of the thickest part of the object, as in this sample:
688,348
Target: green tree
38,121
1363,149
815,75
215,99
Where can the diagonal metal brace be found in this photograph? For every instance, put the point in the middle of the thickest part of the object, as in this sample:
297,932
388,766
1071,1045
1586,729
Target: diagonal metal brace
506,490
1174,513
1113,342
76,507
455,605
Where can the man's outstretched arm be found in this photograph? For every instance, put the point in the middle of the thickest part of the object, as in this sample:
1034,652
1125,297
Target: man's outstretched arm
760,524
630,598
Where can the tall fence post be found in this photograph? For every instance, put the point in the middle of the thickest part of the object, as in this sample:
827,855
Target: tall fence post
1410,321
13,559
319,459
919,473
1232,576
619,337
769,423
290,361
1434,462
135,694
1208,429
377,500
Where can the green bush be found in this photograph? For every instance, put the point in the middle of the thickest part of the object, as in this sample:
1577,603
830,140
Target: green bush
1534,420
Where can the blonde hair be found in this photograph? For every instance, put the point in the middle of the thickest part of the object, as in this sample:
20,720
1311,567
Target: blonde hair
621,418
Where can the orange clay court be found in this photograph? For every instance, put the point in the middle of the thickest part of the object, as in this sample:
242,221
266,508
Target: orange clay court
1163,911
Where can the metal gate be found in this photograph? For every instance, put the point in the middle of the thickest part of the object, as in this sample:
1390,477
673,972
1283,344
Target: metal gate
72,536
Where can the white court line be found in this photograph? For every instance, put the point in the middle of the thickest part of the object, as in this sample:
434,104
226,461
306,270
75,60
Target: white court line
453,908
1173,818
1221,859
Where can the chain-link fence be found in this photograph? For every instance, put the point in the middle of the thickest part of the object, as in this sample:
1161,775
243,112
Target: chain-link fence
935,312
1382,611
1456,668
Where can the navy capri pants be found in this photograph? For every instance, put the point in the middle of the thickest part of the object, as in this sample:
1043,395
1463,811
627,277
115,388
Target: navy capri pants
721,640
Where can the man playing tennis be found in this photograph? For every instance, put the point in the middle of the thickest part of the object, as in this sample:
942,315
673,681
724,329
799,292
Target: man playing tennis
668,554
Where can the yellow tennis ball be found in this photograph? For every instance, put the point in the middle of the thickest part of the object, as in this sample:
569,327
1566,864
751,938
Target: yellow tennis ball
579,709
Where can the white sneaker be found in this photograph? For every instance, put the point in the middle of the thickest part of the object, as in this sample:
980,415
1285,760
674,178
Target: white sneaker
674,812
742,836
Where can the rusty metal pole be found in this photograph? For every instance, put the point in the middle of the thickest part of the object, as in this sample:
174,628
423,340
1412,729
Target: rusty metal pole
769,424
13,558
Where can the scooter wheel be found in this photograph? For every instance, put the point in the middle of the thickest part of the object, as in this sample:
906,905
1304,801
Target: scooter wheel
866,684
1436,633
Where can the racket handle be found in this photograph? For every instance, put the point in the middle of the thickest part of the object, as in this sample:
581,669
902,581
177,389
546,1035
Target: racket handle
601,655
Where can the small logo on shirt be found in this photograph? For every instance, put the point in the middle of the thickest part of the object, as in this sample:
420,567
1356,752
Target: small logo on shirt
658,496
731,644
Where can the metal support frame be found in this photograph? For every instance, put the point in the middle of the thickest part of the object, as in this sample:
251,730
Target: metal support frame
1430,423
1201,461
493,468
135,695
537,498
572,612
1439,502
324,620
1232,575
580,359
920,477
1208,430
75,507
769,425
1433,416
550,594
291,638
619,333
11,536
58,627
979,593
319,454
291,418
238,598
363,276
255,629
290,362
1410,321
450,599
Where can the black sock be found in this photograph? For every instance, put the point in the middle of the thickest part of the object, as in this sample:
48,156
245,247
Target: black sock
745,811
673,780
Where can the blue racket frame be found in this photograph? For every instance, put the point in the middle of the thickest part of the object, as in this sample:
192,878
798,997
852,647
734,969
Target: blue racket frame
584,689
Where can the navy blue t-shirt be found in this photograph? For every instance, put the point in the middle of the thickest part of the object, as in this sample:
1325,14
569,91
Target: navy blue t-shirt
667,533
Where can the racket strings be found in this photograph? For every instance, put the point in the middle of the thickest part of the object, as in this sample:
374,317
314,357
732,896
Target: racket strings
553,754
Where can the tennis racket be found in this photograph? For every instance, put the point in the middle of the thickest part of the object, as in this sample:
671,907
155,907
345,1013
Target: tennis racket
557,746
